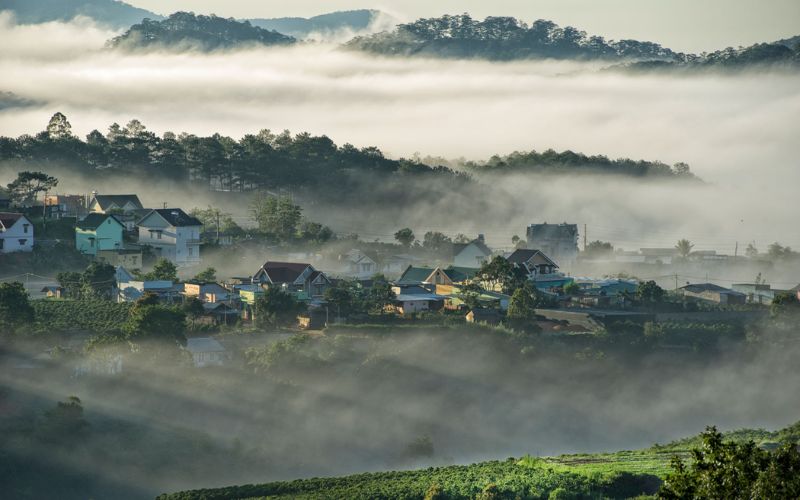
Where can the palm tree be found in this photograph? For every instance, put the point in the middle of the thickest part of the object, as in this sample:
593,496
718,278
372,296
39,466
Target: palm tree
684,247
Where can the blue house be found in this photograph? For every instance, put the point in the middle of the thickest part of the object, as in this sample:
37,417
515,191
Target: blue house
98,232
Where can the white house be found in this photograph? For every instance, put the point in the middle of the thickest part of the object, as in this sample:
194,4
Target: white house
205,351
16,233
472,255
173,234
358,264
114,203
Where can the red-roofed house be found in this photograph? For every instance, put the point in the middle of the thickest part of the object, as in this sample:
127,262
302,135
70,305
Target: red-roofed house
294,276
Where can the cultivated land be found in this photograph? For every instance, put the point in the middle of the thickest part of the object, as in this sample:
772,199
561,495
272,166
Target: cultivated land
623,474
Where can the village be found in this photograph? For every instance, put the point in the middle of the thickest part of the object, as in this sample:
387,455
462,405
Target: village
467,280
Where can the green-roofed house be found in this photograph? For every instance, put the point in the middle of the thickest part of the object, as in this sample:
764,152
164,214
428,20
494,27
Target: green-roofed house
436,276
98,232
414,275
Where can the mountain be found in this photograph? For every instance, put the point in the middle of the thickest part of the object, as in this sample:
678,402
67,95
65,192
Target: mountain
792,42
187,30
325,24
503,38
110,13
10,100
760,55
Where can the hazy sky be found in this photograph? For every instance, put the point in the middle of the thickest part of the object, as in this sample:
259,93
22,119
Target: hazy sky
687,25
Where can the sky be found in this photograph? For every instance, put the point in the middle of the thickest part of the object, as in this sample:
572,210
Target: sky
685,25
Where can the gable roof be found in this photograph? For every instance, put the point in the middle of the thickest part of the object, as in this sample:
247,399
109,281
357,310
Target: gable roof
203,344
553,231
175,217
459,247
707,287
415,275
8,219
524,255
94,220
283,272
106,200
458,274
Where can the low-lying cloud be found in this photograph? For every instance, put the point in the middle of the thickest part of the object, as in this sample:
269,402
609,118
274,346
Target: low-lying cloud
739,132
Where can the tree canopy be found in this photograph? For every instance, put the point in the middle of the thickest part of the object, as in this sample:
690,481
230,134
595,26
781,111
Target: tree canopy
185,29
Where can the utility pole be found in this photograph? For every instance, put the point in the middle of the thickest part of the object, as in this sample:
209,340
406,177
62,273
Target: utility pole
44,214
165,204
676,282
584,237
736,250
217,214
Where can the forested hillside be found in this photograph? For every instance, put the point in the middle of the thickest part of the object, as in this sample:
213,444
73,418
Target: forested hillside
507,38
759,55
266,161
554,162
112,13
503,38
186,30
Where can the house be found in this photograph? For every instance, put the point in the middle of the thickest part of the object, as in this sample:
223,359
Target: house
64,205
487,316
488,299
757,293
610,287
414,301
471,255
129,289
293,276
98,232
16,233
114,203
659,255
358,264
221,312
53,292
206,351
209,292
713,293
127,256
133,290
395,264
539,268
173,235
560,241
436,276
248,294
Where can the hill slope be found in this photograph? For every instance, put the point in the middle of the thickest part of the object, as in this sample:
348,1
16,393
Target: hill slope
110,13
325,24
625,474
503,38
187,30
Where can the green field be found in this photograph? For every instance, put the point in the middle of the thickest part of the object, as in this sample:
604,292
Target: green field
624,474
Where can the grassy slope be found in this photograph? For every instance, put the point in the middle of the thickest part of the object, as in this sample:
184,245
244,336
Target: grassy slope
613,475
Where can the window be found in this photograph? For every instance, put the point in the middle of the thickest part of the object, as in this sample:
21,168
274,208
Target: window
2,241
91,242
25,228
158,235
23,241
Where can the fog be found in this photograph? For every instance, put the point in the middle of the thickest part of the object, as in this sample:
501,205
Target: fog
354,402
738,132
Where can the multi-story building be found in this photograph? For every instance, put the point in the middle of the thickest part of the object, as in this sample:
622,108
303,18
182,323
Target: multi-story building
172,234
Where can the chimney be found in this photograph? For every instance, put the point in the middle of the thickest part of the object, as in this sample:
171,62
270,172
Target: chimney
481,238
